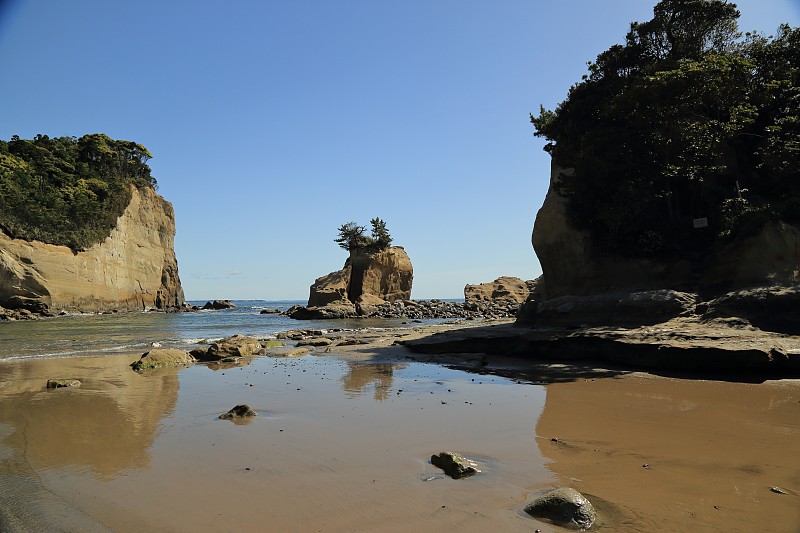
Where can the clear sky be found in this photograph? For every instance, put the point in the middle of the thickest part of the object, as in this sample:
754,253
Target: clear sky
272,122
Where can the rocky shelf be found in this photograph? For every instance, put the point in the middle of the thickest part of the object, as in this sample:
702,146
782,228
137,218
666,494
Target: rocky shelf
410,309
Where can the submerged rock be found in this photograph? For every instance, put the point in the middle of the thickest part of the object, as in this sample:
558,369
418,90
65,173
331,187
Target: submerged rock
162,357
240,411
289,352
455,465
272,344
58,383
318,342
565,507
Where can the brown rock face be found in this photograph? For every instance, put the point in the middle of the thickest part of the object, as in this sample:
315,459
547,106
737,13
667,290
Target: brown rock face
369,278
504,288
134,268
571,265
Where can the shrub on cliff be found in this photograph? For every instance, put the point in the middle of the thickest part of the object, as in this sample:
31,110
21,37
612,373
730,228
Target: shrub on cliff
67,190
685,120
352,237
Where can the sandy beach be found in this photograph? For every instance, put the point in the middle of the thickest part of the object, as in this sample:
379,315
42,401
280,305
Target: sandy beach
343,438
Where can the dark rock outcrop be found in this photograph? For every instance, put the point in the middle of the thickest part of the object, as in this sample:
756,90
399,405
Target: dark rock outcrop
620,308
581,284
681,344
218,305
410,309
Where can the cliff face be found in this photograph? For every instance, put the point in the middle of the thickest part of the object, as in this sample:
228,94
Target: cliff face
584,284
134,268
573,266
369,278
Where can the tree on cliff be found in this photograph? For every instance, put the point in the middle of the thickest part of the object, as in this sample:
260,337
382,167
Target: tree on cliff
352,237
380,235
674,125
67,190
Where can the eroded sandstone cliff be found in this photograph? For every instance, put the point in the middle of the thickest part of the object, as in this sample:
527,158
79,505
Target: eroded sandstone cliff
134,268
577,274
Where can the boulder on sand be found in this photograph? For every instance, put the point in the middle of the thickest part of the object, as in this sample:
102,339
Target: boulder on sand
454,465
162,357
565,507
236,346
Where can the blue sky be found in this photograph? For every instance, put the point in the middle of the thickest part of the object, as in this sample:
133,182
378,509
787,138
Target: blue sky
273,122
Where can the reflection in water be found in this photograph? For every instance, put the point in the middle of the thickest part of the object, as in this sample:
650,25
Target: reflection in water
104,427
360,375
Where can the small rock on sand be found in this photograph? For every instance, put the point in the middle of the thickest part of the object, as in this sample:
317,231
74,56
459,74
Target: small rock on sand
454,465
63,382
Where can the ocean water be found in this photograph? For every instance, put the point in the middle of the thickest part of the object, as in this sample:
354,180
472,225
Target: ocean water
97,334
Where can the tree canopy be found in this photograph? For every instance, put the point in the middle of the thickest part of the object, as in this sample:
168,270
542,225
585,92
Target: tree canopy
352,237
686,120
67,190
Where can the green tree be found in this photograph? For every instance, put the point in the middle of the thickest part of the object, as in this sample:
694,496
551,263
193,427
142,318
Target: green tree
380,235
66,190
673,124
352,237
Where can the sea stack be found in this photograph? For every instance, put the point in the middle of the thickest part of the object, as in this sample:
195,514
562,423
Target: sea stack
368,279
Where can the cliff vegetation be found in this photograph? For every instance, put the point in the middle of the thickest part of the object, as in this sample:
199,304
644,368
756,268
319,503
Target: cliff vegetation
66,190
686,123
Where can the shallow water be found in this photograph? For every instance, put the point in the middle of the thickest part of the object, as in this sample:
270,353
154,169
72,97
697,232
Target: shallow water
67,336
342,442
337,446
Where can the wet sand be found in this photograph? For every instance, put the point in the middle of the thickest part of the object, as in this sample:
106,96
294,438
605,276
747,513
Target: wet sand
343,440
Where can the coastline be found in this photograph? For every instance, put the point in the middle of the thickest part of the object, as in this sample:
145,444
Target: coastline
146,451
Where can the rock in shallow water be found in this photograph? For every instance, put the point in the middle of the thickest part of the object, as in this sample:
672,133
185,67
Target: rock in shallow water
162,357
454,465
565,507
240,411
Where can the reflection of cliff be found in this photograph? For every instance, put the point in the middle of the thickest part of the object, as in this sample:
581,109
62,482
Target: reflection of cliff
107,425
361,375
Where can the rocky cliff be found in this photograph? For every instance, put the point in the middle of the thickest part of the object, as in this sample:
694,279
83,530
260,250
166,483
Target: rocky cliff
134,268
577,274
